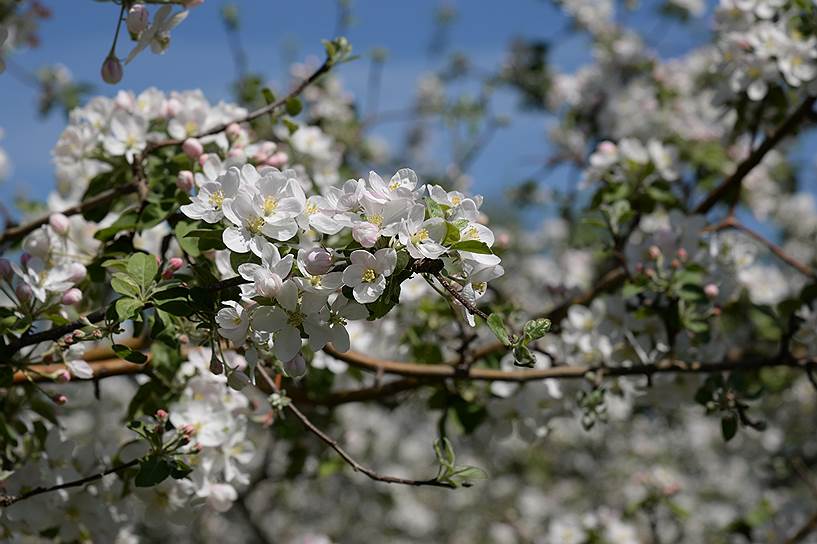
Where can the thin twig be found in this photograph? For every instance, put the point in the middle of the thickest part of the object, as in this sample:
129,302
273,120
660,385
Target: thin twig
332,443
458,296
8,500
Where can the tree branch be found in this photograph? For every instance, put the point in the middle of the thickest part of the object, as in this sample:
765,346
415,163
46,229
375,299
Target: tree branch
788,126
8,500
332,443
804,531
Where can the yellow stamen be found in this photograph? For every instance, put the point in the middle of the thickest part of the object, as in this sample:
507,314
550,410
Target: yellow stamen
270,205
369,275
216,199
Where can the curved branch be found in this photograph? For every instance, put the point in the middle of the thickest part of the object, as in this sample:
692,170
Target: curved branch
332,443
8,500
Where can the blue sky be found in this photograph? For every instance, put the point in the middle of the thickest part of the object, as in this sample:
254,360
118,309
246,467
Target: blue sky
80,32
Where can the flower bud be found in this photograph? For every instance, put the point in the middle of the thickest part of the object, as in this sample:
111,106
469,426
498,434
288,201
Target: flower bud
78,334
111,70
77,273
185,181
188,430
318,261
5,269
161,415
233,131
137,19
267,283
72,296
173,265
711,290
62,376
192,148
682,254
59,399
23,292
203,159
365,234
296,367
277,159
60,223
654,252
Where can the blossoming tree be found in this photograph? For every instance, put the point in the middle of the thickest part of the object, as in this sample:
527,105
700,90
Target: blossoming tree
229,317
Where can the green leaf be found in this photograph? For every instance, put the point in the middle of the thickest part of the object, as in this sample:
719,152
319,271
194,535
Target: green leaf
536,328
126,307
522,356
142,268
124,352
466,475
152,471
497,326
124,285
294,106
434,209
729,426
179,469
452,234
269,96
177,307
474,246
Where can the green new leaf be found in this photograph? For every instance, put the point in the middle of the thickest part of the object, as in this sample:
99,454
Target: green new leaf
729,427
129,354
536,329
142,268
294,106
474,246
497,326
127,307
124,285
452,235
434,209
466,475
522,356
152,471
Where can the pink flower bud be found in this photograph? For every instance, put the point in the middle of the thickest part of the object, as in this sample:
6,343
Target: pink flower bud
185,181
171,107
72,296
203,158
23,292
59,399
277,159
682,254
235,152
233,131
318,261
267,283
62,376
654,252
5,269
77,273
137,19
68,339
296,367
60,223
711,290
607,147
188,430
173,265
192,148
78,334
111,70
161,415
365,234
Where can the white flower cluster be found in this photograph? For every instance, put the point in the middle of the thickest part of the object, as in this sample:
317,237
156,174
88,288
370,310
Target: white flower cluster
218,416
617,163
760,41
108,128
383,219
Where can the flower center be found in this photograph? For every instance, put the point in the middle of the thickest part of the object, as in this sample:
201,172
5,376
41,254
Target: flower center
394,185
190,128
296,318
419,236
270,205
315,281
216,199
255,225
471,233
375,219
337,319
311,209
455,200
369,275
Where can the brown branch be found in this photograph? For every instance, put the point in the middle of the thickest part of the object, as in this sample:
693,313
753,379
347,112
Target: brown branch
788,126
458,296
731,222
804,531
8,500
332,443
447,370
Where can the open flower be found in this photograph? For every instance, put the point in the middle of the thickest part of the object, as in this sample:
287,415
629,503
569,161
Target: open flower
233,322
267,277
422,237
208,204
367,273
157,35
